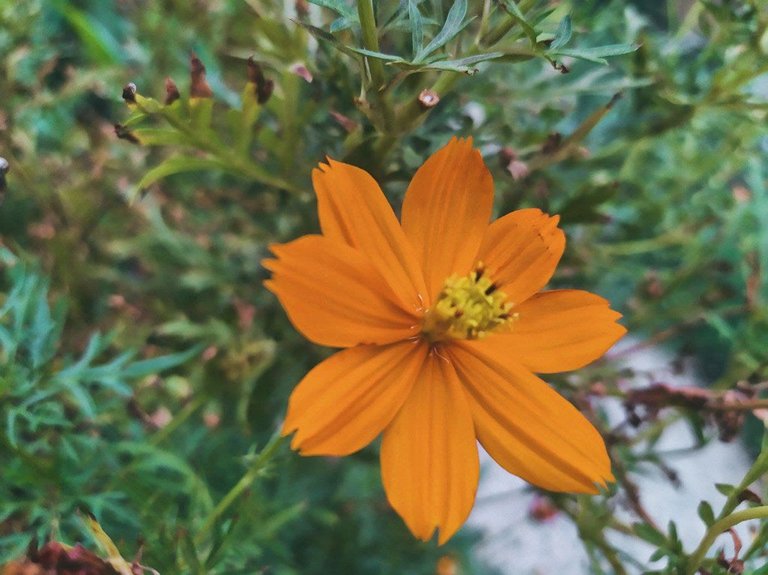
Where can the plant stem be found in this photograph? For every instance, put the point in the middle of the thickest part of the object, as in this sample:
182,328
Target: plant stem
183,414
371,41
254,471
717,528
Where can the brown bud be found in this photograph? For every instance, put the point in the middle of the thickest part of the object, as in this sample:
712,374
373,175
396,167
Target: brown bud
348,124
447,565
171,92
554,141
256,77
129,93
302,8
125,134
302,72
199,87
542,509
428,99
4,169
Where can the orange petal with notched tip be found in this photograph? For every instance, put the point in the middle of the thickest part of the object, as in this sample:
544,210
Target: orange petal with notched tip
521,251
446,211
353,210
526,426
558,331
348,399
335,296
429,460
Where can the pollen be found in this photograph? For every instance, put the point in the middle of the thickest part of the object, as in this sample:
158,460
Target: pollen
468,307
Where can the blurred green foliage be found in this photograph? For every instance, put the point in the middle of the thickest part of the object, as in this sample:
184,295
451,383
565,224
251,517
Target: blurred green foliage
642,124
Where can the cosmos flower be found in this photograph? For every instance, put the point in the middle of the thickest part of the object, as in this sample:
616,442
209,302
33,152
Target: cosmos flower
443,326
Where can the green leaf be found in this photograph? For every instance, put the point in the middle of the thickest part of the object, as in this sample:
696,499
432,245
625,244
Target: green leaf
97,39
656,555
650,534
465,65
583,207
146,367
597,54
706,514
563,34
514,10
379,55
453,25
324,36
177,165
162,137
340,24
338,6
200,113
417,27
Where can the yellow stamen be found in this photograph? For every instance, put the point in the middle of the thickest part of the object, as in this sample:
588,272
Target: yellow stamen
467,307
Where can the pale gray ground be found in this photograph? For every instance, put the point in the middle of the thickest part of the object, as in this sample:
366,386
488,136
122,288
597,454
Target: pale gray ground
520,546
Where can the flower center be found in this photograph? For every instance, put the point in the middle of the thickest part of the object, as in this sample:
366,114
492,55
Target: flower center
467,307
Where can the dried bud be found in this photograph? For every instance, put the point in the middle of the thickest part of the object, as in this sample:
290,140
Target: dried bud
518,170
554,141
751,496
171,92
447,565
129,93
348,124
199,87
4,169
302,9
302,72
428,99
125,134
542,509
256,77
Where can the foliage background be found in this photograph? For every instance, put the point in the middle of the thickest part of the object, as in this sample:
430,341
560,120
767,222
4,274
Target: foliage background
144,367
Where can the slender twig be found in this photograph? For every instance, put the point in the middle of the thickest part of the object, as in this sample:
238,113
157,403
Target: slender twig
719,527
254,471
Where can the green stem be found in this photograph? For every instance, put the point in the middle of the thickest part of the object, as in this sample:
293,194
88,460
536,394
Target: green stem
413,113
254,471
371,41
383,114
214,147
719,527
184,414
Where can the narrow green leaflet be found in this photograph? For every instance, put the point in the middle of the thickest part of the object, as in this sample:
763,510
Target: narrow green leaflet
146,367
706,514
162,137
417,27
514,11
453,25
177,165
321,34
563,34
339,6
465,65
379,55
597,54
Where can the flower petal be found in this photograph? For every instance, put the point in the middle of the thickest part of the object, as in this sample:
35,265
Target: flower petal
446,211
521,251
429,460
353,210
334,296
559,331
526,426
348,399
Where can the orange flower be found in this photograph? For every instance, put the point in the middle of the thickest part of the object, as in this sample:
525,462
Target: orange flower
444,327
